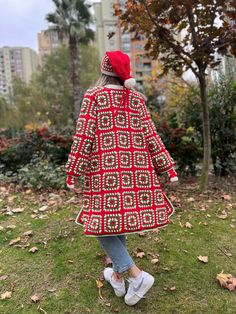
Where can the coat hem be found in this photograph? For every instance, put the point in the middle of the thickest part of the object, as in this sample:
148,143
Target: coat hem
129,232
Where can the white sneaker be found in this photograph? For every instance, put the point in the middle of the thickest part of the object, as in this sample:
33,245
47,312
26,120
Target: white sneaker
119,287
138,288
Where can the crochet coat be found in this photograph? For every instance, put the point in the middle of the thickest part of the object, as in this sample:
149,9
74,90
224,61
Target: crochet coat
117,149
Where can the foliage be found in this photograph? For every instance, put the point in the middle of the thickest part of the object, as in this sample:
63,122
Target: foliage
47,99
41,174
42,144
183,147
162,22
223,126
222,99
185,35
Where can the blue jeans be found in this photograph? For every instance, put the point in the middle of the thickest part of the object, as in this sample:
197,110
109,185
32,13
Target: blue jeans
115,248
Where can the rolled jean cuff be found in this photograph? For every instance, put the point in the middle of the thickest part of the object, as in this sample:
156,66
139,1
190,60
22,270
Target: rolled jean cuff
123,269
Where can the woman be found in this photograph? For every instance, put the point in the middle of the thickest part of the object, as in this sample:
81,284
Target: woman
117,149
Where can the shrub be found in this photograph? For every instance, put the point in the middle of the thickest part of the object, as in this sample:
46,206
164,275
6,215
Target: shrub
42,143
181,144
42,174
222,100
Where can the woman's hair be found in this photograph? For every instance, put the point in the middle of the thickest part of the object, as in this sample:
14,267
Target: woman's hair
107,79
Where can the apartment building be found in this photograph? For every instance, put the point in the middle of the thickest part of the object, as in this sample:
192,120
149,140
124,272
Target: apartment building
106,23
49,41
16,61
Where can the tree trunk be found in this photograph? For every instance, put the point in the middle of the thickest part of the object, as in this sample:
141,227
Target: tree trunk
206,133
75,76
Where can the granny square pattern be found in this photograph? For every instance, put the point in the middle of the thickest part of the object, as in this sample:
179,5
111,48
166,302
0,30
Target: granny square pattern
118,151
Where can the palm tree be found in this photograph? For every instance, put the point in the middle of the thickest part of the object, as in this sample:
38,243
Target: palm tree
71,20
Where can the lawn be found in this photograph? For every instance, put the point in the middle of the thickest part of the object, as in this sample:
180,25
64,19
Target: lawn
62,271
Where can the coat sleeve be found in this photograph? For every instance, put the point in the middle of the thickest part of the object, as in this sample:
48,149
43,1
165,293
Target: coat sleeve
83,138
161,158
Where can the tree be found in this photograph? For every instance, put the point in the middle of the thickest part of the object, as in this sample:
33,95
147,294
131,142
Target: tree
183,35
71,20
48,98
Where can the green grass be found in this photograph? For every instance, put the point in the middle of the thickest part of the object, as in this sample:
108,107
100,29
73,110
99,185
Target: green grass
64,270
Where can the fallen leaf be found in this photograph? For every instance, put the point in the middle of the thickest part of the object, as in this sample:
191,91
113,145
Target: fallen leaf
154,260
222,215
6,295
116,310
14,241
140,254
190,199
226,197
142,234
173,288
43,208
99,284
188,225
203,259
35,298
52,290
17,210
28,233
11,227
108,304
33,249
226,281
4,277
231,287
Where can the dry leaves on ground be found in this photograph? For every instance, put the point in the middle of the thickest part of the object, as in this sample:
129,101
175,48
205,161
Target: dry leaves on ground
14,241
203,259
139,253
226,197
6,295
226,281
99,284
188,225
222,215
33,249
35,298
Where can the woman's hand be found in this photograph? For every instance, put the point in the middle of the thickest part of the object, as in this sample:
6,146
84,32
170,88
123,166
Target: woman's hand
173,178
71,182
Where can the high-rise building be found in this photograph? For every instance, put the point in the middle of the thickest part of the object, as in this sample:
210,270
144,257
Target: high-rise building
16,61
49,41
108,24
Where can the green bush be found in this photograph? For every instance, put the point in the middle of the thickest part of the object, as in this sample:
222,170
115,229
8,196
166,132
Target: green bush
43,143
181,144
222,100
42,174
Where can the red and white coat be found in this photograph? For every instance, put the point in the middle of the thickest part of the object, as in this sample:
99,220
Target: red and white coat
117,149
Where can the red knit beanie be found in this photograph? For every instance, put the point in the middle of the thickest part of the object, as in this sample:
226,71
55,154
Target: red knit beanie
117,63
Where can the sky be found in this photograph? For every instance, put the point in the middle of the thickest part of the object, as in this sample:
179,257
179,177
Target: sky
22,20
